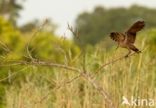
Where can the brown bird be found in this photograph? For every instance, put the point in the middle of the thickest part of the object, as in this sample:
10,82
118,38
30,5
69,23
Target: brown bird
127,39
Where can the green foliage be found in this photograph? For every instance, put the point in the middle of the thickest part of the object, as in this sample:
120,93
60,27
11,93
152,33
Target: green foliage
42,45
29,84
150,36
95,26
2,98
128,77
11,41
151,33
46,46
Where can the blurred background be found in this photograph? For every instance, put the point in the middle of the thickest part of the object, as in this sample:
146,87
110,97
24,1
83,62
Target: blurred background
41,26
112,15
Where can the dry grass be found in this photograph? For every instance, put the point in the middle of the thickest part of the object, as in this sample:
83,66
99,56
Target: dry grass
134,76
97,79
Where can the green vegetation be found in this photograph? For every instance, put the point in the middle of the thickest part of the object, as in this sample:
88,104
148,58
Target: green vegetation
134,76
95,26
41,70
10,10
43,45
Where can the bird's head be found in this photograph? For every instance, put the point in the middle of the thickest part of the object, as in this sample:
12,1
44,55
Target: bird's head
113,35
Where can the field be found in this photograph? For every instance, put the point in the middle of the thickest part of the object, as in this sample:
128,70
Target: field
40,70
94,79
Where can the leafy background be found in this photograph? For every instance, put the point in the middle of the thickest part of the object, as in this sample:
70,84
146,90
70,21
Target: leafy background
23,86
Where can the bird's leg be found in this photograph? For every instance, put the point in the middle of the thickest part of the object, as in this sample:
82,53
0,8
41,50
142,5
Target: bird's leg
117,46
129,51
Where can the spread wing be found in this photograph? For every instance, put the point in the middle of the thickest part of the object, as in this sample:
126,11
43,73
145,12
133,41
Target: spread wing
118,37
132,31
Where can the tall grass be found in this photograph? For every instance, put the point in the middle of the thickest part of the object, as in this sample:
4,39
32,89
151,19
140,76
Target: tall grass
46,88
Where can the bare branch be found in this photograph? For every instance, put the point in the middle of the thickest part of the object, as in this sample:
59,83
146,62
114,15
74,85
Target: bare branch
111,62
63,84
33,36
101,90
50,64
38,63
75,33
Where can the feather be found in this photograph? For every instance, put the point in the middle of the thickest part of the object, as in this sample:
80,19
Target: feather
132,31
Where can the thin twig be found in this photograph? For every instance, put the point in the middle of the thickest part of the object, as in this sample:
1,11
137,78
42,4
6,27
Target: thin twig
11,75
101,90
63,84
4,46
75,33
111,62
39,63
33,36
51,64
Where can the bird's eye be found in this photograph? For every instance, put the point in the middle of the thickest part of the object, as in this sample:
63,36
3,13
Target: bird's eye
112,33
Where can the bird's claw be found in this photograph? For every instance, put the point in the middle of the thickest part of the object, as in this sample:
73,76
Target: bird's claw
126,56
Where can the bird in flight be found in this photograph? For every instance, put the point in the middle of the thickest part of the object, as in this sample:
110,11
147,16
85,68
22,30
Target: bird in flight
127,39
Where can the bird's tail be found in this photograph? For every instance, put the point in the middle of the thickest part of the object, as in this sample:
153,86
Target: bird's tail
132,47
